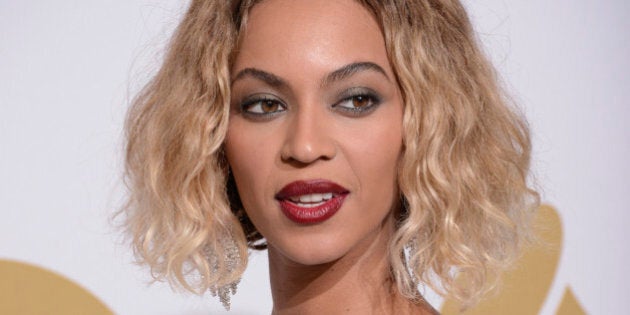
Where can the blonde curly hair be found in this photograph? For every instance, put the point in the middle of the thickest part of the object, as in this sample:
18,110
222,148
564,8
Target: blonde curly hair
463,173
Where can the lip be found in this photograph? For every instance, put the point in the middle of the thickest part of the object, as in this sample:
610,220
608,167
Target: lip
315,214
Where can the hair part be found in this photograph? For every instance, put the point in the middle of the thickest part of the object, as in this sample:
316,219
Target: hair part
462,175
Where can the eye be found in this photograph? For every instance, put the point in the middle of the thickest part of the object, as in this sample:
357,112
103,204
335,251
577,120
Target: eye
359,102
262,106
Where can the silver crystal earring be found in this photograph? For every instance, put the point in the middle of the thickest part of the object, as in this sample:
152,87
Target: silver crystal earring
225,292
232,258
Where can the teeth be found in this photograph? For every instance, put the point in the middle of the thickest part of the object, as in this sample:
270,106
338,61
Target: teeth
312,198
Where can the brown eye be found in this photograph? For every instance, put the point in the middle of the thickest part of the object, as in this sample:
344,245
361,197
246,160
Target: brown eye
360,101
269,106
263,107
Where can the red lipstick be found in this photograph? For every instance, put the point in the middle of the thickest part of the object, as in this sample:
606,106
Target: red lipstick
312,201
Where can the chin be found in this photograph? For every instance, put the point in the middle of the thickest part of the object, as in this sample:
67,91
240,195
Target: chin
316,252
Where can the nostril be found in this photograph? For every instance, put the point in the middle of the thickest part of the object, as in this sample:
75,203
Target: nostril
307,153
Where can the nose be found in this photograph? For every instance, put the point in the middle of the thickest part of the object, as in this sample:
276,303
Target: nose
309,137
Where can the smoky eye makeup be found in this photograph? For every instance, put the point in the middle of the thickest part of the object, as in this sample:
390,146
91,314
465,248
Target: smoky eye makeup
357,101
352,102
261,106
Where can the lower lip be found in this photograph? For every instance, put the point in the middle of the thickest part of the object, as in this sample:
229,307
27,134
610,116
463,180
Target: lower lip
304,215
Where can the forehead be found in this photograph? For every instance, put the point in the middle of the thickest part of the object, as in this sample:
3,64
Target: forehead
322,34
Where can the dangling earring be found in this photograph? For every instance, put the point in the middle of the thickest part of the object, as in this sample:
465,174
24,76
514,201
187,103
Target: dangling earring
231,261
232,256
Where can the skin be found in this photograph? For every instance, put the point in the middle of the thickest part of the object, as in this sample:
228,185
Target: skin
316,121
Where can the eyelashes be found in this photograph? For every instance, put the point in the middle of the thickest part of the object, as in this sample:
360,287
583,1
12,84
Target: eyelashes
354,102
261,106
358,101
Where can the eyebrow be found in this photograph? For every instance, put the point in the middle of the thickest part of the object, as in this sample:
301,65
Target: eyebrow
335,76
351,69
261,75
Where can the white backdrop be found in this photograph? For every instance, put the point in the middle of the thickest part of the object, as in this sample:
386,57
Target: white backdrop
67,69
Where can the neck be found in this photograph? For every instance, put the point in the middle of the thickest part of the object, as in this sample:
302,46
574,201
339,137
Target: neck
357,283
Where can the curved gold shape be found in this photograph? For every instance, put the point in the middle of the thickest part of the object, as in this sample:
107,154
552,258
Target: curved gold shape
525,288
27,289
570,305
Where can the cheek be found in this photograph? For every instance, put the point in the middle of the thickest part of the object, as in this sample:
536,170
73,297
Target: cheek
377,147
373,153
251,157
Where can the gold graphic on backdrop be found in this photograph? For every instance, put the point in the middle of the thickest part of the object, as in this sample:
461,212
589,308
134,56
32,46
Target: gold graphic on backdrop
570,305
26,289
525,288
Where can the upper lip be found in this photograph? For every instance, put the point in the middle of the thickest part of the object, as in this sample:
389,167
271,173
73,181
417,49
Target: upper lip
306,187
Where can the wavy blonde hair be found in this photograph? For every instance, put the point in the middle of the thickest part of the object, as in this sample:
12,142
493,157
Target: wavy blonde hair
463,173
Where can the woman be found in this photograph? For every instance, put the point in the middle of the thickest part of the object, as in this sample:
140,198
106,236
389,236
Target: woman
365,144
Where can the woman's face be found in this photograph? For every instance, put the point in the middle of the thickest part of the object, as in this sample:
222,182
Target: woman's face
315,127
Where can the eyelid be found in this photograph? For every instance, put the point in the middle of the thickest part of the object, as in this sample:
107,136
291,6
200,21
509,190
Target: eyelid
356,91
253,99
351,93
